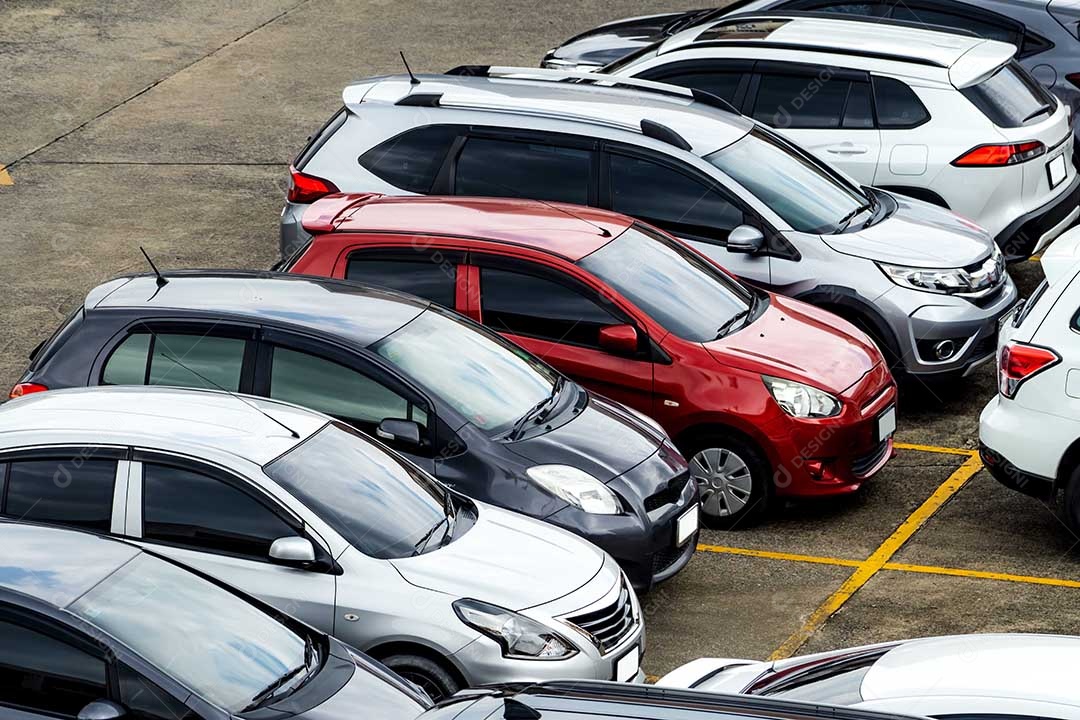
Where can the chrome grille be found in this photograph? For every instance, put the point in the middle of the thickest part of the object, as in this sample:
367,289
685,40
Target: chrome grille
609,625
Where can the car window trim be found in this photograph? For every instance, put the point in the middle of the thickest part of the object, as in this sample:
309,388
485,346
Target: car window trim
741,66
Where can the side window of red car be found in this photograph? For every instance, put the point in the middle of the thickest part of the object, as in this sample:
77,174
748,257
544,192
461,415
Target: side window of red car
430,275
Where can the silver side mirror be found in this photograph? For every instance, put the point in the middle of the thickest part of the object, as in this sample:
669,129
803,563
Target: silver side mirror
292,550
746,240
102,710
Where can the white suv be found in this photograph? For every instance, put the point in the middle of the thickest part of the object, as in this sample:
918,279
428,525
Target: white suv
1029,434
950,119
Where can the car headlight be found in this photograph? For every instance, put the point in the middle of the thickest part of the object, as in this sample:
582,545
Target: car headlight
576,487
799,400
944,281
520,637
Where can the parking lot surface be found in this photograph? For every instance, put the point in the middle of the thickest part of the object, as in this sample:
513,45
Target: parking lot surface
171,126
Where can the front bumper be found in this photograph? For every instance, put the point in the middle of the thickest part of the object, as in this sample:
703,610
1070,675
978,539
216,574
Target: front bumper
1035,230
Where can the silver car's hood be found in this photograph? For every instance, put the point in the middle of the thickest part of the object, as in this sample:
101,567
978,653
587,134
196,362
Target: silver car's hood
918,234
506,559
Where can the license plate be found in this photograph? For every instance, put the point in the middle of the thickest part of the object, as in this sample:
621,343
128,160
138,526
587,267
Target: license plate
886,423
626,667
686,525
1056,170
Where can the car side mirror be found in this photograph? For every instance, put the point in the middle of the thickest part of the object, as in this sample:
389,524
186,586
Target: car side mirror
619,339
745,240
292,551
402,431
102,710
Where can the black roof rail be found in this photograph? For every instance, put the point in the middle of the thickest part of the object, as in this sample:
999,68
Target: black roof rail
796,14
653,129
805,48
420,100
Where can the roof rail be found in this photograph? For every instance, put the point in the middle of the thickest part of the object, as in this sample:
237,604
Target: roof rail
802,47
546,75
800,14
653,129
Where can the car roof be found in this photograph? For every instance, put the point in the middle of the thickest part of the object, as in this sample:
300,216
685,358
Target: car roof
704,127
569,231
1016,666
134,415
57,566
360,313
965,58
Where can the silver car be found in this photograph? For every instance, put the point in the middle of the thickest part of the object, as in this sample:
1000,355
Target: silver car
326,524
926,284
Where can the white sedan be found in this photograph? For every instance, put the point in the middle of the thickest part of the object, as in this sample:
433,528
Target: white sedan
962,677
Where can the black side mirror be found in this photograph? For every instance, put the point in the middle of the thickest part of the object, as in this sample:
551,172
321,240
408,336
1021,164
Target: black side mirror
402,431
746,240
102,710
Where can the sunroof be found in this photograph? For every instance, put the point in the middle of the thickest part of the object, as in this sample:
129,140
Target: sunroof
741,30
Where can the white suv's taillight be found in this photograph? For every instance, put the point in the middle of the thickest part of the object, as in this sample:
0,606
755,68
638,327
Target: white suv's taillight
1019,362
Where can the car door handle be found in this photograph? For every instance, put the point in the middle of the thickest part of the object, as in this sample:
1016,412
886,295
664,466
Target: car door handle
847,149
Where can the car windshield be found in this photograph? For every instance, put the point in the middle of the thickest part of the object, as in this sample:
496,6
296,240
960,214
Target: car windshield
805,194
383,505
216,644
485,378
675,286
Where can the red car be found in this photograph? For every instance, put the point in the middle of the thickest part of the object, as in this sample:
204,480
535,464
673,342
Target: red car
766,395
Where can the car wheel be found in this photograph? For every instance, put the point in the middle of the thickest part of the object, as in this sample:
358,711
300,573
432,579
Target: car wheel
427,674
1072,501
732,478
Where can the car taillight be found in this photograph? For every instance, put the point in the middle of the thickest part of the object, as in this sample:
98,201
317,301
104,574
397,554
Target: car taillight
1020,362
307,188
25,389
997,155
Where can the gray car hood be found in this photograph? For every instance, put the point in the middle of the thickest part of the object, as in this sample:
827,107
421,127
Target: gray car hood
917,234
506,559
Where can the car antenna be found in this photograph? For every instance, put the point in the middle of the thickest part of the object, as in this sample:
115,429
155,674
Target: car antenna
413,80
604,232
230,393
162,281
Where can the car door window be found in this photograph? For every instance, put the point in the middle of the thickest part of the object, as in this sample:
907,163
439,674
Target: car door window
181,360
144,700
533,306
41,673
505,168
66,490
720,80
431,280
671,199
800,101
411,161
196,510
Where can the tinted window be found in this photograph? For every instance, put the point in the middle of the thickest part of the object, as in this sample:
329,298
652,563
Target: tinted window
187,508
411,160
199,361
897,104
873,9
677,287
527,305
1011,97
721,84
980,26
524,170
382,506
858,112
41,673
334,389
64,490
800,101
431,280
127,364
666,197
146,701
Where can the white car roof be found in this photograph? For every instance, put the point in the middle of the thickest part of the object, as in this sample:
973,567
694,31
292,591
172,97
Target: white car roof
704,127
964,59
140,415
1014,666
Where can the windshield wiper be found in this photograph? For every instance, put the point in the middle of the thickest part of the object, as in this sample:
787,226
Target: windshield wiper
267,694
421,544
451,520
729,324
843,223
539,411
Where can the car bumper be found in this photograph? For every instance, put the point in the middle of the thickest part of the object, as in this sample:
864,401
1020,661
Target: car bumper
292,233
1016,455
1032,232
1012,477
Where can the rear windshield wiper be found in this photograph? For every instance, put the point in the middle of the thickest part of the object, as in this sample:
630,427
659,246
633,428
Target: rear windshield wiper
1042,109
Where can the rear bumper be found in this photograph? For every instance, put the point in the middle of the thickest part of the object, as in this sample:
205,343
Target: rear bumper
1013,477
1036,229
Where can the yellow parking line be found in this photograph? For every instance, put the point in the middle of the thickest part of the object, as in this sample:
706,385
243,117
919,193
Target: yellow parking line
1035,258
790,557
5,176
873,564
936,449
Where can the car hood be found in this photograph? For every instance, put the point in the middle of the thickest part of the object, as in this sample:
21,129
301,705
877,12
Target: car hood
604,440
917,234
609,42
794,340
506,559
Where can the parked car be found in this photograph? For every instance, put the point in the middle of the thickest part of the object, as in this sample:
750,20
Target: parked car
318,520
633,314
950,119
1029,433
1045,31
990,677
99,629
927,285
485,417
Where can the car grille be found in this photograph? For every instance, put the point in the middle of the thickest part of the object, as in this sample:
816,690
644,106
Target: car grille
862,465
610,625
664,559
668,495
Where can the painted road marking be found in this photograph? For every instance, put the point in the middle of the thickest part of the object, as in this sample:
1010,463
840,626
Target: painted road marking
936,449
790,557
5,177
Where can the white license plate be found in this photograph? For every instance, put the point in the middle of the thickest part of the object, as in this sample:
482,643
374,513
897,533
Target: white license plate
1055,170
627,666
686,525
886,423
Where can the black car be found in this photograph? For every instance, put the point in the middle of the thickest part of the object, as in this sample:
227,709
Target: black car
96,629
476,411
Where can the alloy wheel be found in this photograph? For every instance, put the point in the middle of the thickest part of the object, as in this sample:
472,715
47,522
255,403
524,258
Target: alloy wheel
724,481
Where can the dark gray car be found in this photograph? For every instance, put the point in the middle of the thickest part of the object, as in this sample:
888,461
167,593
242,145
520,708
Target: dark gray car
98,629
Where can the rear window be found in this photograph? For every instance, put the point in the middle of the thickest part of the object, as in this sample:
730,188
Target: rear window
316,141
1010,97
411,160
47,349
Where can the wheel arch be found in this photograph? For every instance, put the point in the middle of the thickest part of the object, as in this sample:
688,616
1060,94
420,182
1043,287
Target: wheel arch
406,647
850,306
1069,461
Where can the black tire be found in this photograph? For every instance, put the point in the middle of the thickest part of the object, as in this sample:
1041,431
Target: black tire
1071,511
429,675
726,449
